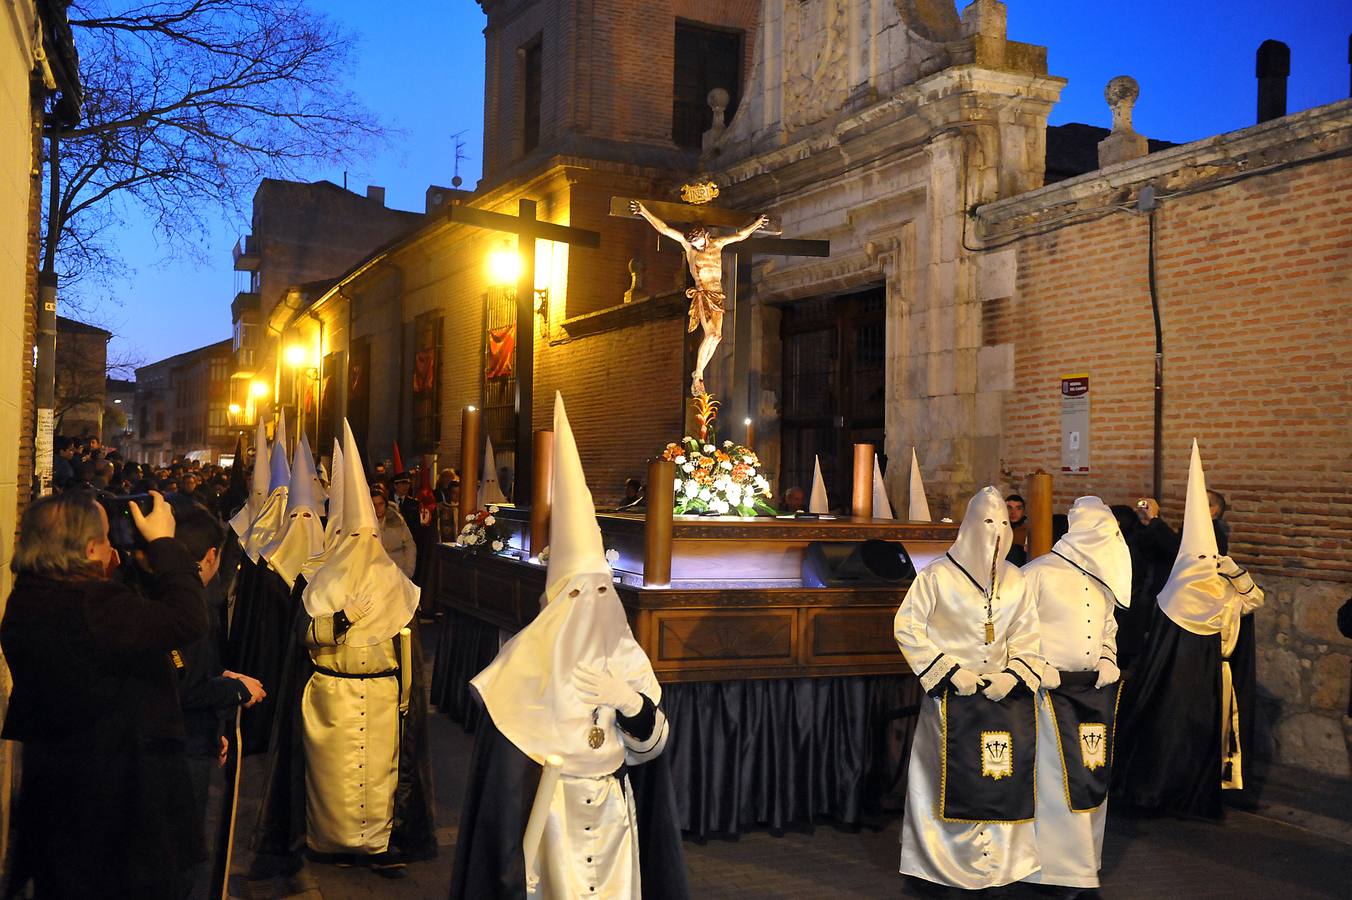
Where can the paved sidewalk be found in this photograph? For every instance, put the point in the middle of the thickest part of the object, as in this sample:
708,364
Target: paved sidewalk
1246,856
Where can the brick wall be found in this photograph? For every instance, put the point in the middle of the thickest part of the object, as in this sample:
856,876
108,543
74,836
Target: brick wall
1253,282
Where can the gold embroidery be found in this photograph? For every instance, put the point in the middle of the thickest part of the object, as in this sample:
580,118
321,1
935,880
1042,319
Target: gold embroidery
1094,745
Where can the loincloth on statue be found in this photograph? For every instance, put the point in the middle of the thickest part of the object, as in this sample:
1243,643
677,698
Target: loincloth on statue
705,306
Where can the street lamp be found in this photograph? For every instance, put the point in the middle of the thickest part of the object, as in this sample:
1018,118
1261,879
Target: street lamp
504,266
297,356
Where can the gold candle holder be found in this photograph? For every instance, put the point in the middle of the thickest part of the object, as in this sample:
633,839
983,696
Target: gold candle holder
658,522
1039,514
542,491
862,504
469,464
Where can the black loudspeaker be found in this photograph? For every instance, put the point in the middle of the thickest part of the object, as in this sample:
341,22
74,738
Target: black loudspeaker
856,564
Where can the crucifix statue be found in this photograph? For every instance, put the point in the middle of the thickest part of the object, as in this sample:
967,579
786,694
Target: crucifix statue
704,256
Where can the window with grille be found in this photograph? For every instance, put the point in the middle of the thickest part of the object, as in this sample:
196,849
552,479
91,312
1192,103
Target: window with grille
499,368
427,382
706,58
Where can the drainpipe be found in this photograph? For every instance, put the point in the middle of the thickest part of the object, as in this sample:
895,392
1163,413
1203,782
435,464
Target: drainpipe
1146,204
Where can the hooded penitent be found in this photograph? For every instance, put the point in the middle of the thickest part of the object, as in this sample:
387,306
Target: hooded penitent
1195,596
490,492
1094,543
919,511
882,507
358,564
529,689
984,537
817,502
333,525
270,518
301,536
258,488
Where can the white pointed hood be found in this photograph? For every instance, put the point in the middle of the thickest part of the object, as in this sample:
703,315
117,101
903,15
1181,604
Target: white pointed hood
529,689
490,492
1094,542
358,564
984,537
817,502
919,511
1196,595
882,507
268,523
333,524
258,486
301,536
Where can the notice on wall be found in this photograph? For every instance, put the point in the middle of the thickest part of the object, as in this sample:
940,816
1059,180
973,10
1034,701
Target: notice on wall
1075,424
42,451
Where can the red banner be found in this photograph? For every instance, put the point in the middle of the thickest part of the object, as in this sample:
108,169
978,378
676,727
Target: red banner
425,371
501,350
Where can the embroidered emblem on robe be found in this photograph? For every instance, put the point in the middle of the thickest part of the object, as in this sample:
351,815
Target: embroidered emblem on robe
997,754
1094,744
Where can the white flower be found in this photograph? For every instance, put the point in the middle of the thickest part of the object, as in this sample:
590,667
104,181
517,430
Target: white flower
719,506
734,495
680,459
706,495
544,555
467,529
708,448
727,443
691,488
490,521
612,556
492,509
474,539
497,545
727,464
689,467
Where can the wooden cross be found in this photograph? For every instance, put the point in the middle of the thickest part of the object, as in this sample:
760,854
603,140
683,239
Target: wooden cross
528,230
676,214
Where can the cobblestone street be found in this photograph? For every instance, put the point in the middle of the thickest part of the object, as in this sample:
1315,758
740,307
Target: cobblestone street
1248,855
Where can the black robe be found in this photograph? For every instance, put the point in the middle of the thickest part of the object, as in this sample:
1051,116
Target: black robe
279,836
260,637
499,791
1168,754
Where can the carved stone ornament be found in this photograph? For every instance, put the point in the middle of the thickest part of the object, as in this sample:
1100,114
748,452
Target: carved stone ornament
934,20
816,41
699,192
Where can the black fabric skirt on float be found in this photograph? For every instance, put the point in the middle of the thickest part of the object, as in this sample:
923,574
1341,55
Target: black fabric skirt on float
1169,724
464,649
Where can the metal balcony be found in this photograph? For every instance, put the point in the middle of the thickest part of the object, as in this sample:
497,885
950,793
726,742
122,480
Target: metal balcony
247,254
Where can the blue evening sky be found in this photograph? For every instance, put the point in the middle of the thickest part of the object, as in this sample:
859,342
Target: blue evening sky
419,65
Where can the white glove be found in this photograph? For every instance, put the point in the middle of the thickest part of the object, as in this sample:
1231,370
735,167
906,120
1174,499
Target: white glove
358,607
1228,567
965,681
1108,673
1000,684
1051,678
600,688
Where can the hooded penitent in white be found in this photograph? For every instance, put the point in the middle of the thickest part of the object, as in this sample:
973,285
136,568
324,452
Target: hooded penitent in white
817,502
984,537
490,492
529,688
300,536
1095,544
258,486
333,525
1197,597
882,507
919,511
270,518
358,564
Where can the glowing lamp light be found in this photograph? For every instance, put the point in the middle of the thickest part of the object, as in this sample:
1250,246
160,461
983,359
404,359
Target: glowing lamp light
504,266
259,389
297,356
234,409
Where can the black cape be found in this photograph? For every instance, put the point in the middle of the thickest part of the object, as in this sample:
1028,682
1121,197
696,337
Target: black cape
489,861
260,637
1168,756
279,836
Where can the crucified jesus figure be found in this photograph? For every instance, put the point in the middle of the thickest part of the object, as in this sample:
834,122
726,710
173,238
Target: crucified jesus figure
704,255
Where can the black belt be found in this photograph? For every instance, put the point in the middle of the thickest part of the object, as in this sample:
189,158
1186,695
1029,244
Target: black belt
388,673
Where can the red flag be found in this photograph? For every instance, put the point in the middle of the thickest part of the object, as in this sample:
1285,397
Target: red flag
427,499
501,348
425,371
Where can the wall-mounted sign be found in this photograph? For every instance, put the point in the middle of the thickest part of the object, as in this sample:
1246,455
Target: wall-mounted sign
1075,424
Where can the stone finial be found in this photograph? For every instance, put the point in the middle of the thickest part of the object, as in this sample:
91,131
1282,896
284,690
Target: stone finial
1121,94
718,100
1123,143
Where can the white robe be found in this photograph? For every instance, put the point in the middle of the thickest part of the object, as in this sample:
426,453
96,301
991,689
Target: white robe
1078,629
940,626
590,843
351,732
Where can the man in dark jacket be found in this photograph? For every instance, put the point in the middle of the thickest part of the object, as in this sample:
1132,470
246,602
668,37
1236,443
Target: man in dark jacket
105,805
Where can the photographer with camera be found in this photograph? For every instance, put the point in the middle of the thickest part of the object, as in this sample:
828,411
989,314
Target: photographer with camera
105,807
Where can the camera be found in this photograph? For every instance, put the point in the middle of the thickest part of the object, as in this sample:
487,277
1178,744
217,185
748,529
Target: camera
122,531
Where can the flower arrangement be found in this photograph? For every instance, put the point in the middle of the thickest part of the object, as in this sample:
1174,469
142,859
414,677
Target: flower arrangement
718,479
481,532
612,556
